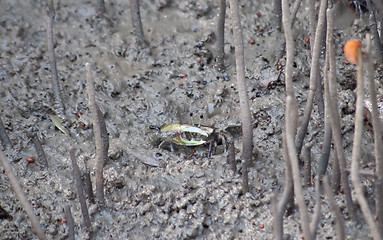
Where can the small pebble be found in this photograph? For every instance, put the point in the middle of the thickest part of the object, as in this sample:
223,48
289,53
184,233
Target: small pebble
210,109
30,159
200,174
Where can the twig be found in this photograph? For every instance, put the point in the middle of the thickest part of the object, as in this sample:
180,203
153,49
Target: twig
100,135
335,178
334,208
313,76
317,209
221,34
277,219
52,57
136,21
277,11
4,136
306,158
312,23
39,149
326,146
36,228
80,190
334,115
377,126
375,34
292,119
286,20
295,11
319,98
247,129
356,152
288,192
287,195
88,185
70,222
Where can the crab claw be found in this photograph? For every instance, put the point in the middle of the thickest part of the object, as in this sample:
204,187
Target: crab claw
181,128
184,142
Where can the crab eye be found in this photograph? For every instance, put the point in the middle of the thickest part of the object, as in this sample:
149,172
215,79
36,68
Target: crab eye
155,127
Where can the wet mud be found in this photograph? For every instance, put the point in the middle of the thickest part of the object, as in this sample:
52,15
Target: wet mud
150,191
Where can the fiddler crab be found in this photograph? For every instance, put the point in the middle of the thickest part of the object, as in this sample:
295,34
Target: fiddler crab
189,135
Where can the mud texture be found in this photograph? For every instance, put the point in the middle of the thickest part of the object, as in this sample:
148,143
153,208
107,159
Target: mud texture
152,192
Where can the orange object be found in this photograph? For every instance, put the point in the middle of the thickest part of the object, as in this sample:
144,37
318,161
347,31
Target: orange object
351,50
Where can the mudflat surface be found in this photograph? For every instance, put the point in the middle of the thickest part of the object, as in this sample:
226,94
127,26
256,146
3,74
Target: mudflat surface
188,194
